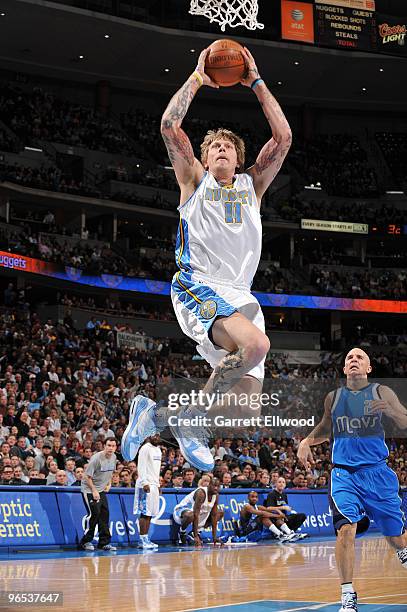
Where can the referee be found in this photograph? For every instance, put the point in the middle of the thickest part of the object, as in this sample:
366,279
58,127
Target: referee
94,486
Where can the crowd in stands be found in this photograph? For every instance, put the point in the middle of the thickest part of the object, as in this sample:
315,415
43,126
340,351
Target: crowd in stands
113,306
63,391
375,284
394,149
35,115
337,163
49,178
298,208
7,142
102,259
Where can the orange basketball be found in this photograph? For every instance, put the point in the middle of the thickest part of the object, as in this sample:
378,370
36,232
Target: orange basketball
225,63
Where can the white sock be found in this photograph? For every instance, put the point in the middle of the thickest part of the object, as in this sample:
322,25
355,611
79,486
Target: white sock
274,530
144,538
347,587
285,529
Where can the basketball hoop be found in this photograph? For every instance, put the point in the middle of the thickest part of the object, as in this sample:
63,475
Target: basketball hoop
230,13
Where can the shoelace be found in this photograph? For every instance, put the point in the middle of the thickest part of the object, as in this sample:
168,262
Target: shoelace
402,555
349,601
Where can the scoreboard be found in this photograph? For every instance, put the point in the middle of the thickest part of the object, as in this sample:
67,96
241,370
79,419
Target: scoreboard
344,27
343,24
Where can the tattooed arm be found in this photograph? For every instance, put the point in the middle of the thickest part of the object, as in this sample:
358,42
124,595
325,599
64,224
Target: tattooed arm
272,155
188,169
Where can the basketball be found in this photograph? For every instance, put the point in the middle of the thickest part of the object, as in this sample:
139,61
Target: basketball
225,64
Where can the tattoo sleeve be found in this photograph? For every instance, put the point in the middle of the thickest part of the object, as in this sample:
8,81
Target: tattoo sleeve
275,150
177,142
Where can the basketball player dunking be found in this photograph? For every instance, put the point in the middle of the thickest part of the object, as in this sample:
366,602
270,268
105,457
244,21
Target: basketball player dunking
363,487
217,253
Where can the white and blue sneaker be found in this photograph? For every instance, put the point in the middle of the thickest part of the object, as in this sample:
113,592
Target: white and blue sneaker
141,426
349,602
193,442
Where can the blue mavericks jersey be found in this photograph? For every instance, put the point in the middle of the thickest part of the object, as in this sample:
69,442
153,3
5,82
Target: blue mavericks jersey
358,435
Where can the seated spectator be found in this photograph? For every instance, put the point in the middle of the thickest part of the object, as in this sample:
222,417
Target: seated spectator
226,480
190,480
18,476
177,480
78,472
7,475
278,499
52,472
60,479
125,478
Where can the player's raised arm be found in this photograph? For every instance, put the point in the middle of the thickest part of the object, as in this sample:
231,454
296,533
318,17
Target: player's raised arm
188,169
321,433
271,157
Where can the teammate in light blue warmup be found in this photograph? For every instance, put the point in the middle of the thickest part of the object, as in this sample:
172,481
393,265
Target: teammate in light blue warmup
217,253
363,487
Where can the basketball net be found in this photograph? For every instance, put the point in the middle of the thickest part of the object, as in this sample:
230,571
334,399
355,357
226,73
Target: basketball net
230,13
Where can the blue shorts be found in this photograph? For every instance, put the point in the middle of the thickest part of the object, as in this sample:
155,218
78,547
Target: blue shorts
364,494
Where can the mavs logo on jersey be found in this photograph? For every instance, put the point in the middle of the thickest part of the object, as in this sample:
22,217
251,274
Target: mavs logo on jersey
358,434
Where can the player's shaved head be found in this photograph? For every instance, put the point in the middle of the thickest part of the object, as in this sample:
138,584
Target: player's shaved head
357,349
357,363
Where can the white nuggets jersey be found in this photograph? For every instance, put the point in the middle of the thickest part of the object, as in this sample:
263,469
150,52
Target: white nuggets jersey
188,504
219,234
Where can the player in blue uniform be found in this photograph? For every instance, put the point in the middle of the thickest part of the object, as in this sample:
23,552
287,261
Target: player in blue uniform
363,487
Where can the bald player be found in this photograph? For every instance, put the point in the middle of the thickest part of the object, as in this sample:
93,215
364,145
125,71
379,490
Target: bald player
363,487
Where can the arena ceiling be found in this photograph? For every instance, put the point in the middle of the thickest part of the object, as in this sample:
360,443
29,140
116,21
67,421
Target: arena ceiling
40,37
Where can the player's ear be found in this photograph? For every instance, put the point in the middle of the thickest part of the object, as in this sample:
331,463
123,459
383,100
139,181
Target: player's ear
369,368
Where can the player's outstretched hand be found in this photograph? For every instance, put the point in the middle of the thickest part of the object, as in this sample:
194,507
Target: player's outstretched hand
200,68
252,72
304,453
198,542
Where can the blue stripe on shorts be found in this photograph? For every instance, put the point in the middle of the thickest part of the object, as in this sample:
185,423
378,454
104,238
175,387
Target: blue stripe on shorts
200,299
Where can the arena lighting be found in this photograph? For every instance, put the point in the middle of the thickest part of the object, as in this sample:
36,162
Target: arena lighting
107,35
395,192
166,69
192,50
2,14
381,69
313,187
279,82
81,57
364,89
33,149
296,63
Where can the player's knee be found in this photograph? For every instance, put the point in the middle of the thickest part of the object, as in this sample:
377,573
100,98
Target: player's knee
256,350
347,533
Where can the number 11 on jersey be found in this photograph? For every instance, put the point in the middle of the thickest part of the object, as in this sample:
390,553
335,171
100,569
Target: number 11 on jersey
233,212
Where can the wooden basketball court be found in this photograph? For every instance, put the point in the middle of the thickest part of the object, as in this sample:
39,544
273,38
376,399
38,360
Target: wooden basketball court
262,577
